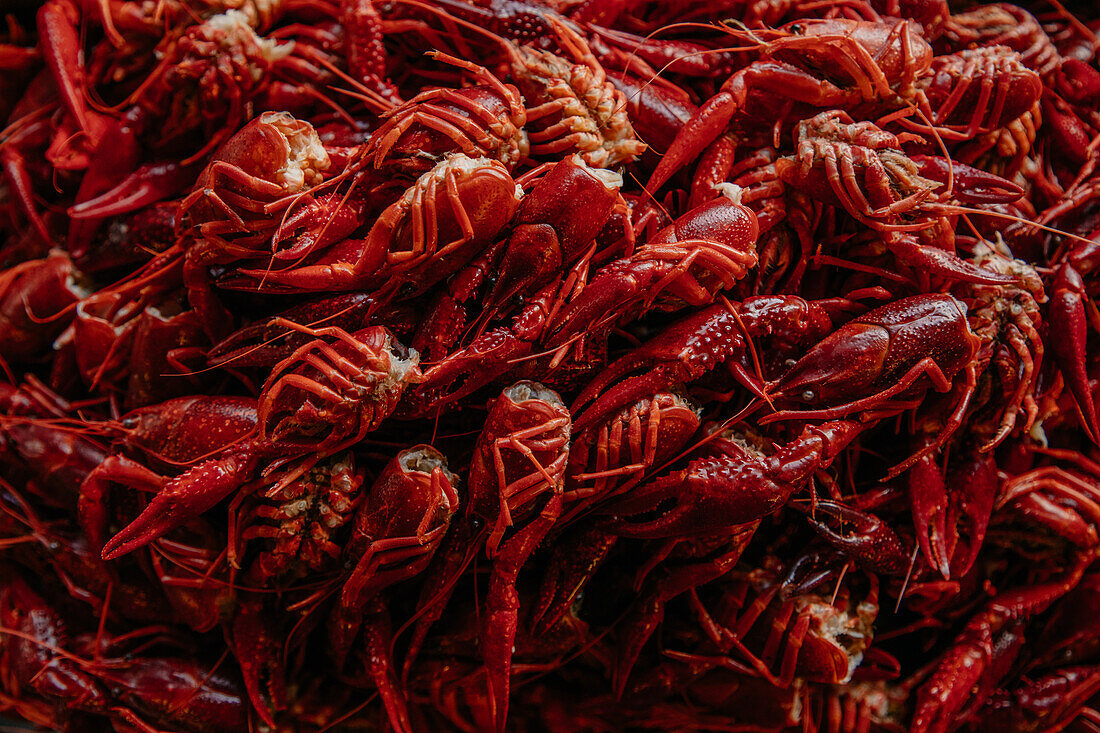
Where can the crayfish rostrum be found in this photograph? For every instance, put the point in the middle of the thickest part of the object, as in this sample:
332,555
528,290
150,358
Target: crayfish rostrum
508,365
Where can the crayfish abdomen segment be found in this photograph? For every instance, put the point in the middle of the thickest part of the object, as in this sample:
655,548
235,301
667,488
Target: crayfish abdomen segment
573,105
957,83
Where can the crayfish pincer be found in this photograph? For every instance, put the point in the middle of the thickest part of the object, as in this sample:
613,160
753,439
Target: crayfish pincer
515,489
183,431
716,493
697,344
519,459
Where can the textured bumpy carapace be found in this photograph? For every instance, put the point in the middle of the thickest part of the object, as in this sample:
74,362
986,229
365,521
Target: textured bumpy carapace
549,365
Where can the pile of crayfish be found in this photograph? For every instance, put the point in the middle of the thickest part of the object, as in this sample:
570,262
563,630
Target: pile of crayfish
549,365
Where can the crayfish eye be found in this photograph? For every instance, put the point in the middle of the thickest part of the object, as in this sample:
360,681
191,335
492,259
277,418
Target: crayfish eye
808,396
797,29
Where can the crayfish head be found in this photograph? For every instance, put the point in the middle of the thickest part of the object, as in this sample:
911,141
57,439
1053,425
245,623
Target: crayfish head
520,457
415,494
276,148
839,369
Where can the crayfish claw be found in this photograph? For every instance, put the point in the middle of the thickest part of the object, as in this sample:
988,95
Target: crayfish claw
184,498
259,651
682,352
972,186
1069,328
870,542
941,263
928,496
